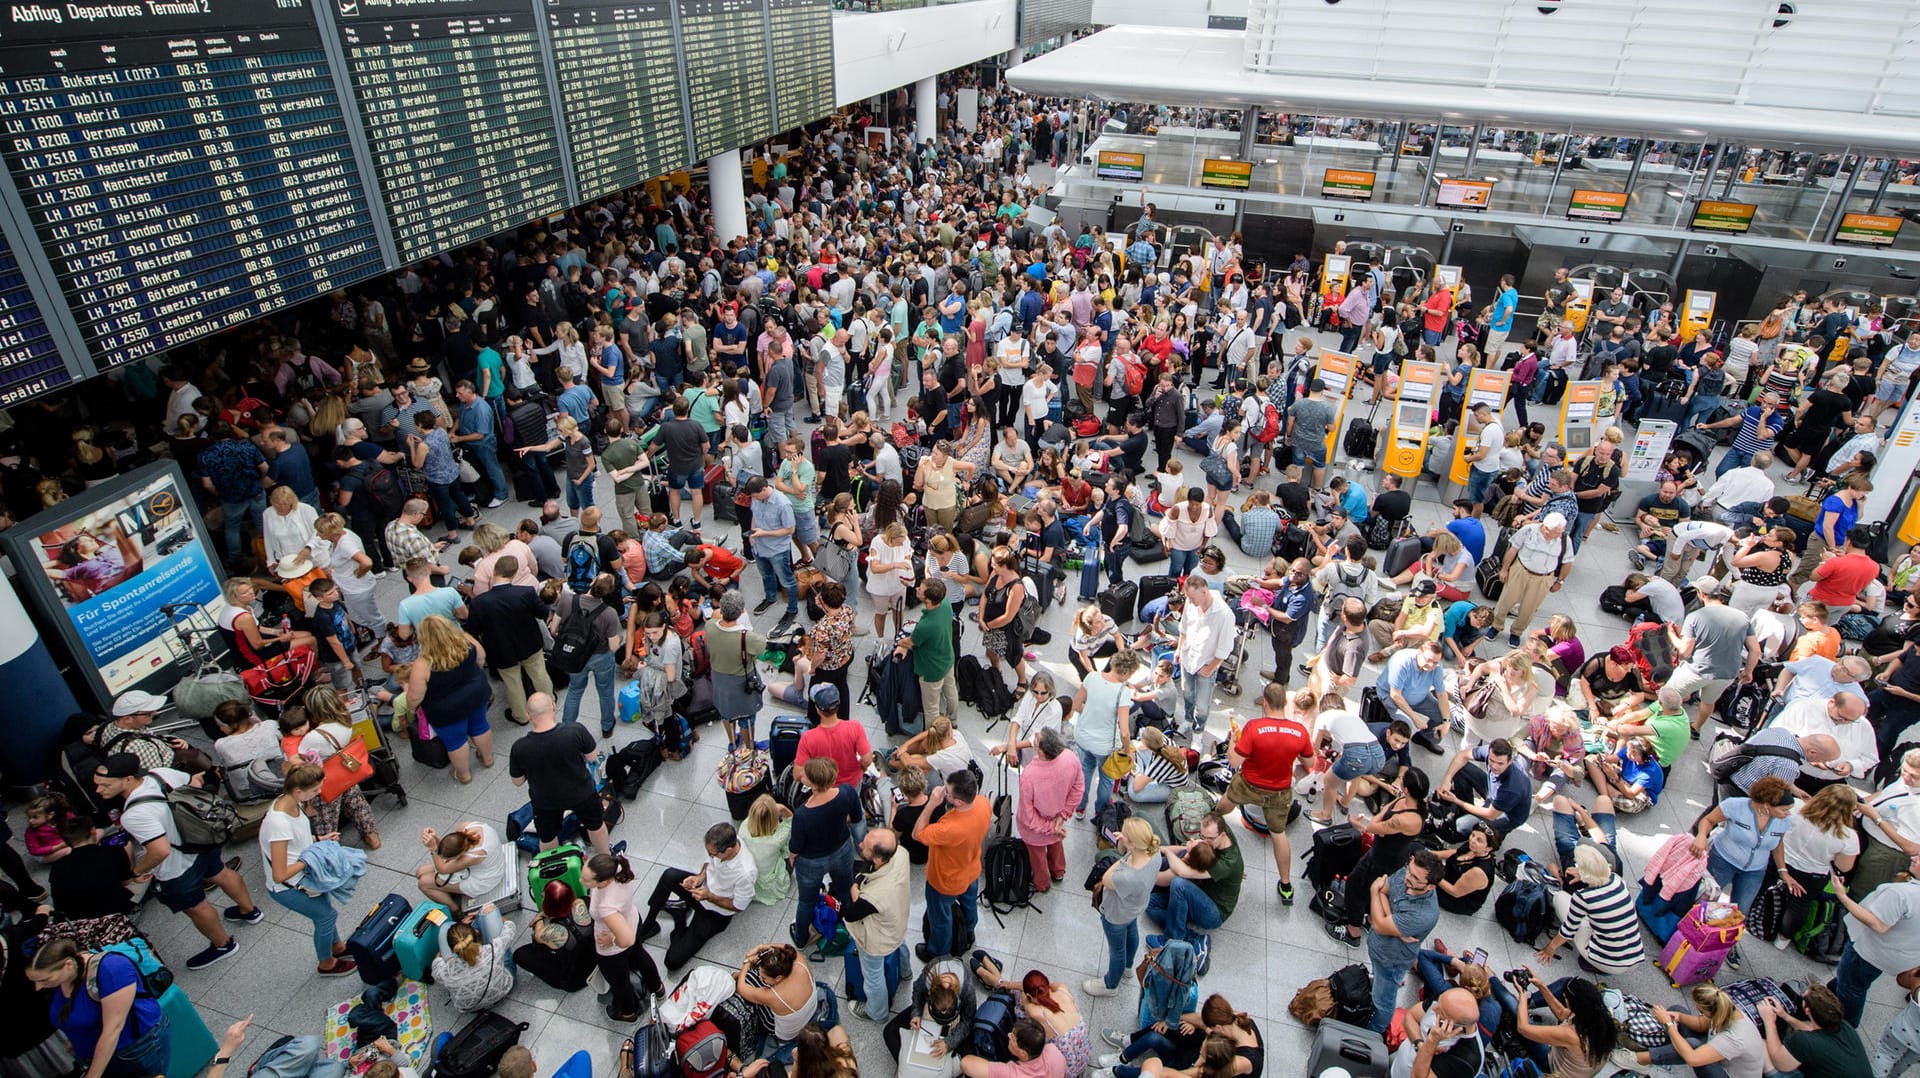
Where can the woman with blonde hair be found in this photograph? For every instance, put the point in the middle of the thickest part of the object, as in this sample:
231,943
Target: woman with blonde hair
495,543
288,525
1820,842
768,831
449,685
477,975
939,749
254,644
1159,768
325,728
1718,1040
347,561
889,576
1123,893
1498,699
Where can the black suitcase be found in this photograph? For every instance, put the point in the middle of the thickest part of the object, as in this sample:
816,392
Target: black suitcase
1400,556
371,944
1373,710
1486,576
1334,852
1555,388
1121,602
474,1050
723,507
1153,587
1361,440
1149,551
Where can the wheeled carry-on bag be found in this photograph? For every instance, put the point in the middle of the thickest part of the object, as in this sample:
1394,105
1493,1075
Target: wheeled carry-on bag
371,944
1359,1052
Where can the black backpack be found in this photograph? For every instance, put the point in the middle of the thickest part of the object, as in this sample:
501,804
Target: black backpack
627,769
1352,988
1523,908
1723,762
384,487
583,562
573,642
474,1050
1008,883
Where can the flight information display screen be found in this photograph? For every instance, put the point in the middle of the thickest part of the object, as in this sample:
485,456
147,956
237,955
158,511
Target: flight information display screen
457,114
183,176
729,89
619,91
30,364
802,60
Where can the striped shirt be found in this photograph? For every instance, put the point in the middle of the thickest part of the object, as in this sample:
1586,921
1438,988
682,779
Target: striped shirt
1748,440
1608,910
1158,768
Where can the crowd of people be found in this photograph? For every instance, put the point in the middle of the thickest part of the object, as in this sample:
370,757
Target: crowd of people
912,411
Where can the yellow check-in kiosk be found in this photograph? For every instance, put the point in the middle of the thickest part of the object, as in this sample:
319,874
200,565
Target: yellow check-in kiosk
1412,416
1696,313
1448,275
1579,410
1484,385
1336,372
1333,274
1580,302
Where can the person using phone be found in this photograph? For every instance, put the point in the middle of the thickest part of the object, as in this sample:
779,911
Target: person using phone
1442,1041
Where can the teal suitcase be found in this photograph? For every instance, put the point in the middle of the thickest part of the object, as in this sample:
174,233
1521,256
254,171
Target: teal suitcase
193,1044
417,942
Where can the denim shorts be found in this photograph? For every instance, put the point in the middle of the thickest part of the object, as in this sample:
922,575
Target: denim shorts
456,735
187,890
1312,455
1360,758
690,482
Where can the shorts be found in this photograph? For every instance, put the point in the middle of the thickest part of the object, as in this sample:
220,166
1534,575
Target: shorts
1632,806
1274,803
689,483
1312,455
1360,758
1382,362
591,813
1687,681
187,890
1479,485
1891,390
455,735
806,527
888,604
613,396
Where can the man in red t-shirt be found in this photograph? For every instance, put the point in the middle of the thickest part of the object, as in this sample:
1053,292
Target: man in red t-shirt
845,743
1263,760
1838,580
713,564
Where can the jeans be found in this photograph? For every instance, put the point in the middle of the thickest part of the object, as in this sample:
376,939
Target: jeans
1115,563
1567,833
1744,885
538,470
1734,458
1196,693
1182,562
809,873
887,969
602,670
776,572
1581,524
300,1057
450,499
940,915
237,516
315,908
489,453
1123,942
1851,980
579,495
1386,992
1185,911
1099,788
1700,406
147,1054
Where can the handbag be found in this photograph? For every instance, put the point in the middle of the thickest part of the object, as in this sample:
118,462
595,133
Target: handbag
468,473
1118,764
346,768
1481,698
1506,509
833,559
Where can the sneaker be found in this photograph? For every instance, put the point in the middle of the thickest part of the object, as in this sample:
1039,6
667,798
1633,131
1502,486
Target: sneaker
1119,1038
1155,941
212,954
1339,934
1108,1061
694,525
1782,942
340,968
232,913
1513,640
1733,959
647,930
675,524
1637,560
496,503
1286,891
765,605
618,848
1094,986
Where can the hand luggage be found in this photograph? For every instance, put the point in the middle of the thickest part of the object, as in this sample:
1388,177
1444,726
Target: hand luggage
1334,852
1400,556
1358,1051
193,1045
474,1050
1486,577
1121,602
739,804
559,863
1361,440
371,944
428,749
417,942
783,741
1153,587
1698,948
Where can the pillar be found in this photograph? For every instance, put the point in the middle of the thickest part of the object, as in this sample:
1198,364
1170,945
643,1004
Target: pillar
926,109
42,702
729,195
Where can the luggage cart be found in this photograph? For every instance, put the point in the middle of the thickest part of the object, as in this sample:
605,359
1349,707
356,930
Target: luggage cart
386,766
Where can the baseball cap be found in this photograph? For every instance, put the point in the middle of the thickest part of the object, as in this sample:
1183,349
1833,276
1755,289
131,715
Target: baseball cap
1424,588
136,701
1707,585
825,697
121,765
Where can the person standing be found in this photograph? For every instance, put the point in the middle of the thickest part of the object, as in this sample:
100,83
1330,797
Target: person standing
477,426
1263,759
617,947
821,843
600,609
1500,324
931,643
772,539
953,828
506,620
1883,933
1403,908
97,1003
1051,788
1536,566
877,920
285,834
1126,887
1716,645
1207,637
555,763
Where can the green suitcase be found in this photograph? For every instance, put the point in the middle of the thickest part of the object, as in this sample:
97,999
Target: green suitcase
559,863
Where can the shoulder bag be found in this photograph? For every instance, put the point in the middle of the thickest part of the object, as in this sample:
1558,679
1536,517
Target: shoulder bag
346,766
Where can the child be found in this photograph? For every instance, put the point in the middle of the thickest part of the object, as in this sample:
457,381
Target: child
46,816
1171,483
633,563
1155,694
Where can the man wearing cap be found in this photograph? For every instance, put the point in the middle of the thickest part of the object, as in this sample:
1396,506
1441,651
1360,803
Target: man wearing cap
179,873
1420,619
133,712
1536,565
843,742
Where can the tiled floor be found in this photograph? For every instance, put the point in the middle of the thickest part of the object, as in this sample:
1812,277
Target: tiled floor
1262,956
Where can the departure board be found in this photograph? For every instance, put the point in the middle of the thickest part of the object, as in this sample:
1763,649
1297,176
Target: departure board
183,175
729,89
802,60
619,91
458,117
30,363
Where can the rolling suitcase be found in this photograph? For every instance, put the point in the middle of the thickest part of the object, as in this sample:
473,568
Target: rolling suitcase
193,1045
1121,602
783,741
1486,576
417,942
371,944
1360,1053
559,863
1153,587
1361,440
1697,949
1400,556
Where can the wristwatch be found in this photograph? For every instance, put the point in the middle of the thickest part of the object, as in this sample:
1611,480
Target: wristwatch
221,1061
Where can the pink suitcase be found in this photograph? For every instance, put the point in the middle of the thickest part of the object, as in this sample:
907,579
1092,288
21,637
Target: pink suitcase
1698,949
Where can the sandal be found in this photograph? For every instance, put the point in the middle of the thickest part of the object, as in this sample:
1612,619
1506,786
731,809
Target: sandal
985,968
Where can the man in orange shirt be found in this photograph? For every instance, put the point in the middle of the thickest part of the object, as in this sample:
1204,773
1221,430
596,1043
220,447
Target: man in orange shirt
952,827
1433,320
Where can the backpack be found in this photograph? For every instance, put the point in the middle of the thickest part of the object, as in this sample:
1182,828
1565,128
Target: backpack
1523,908
1728,756
699,661
992,1021
702,1050
1352,989
583,562
1186,809
155,978
1379,532
573,642
1009,878
1270,427
474,1050
1135,374
627,769
1027,618
204,819
1341,587
383,486
1107,822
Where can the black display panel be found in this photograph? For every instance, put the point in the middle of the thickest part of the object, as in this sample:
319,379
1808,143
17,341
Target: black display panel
30,364
729,89
185,165
458,116
619,91
802,60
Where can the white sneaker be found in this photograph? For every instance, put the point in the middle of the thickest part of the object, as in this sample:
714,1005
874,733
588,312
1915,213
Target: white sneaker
1108,1062
496,503
1782,942
1094,986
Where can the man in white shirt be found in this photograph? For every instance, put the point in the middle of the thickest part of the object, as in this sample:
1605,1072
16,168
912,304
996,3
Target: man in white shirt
1817,677
1739,496
179,873
1489,439
709,898
1843,718
886,460
1536,565
831,370
1206,640
1036,403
